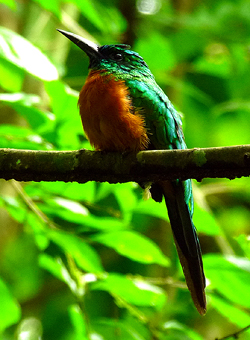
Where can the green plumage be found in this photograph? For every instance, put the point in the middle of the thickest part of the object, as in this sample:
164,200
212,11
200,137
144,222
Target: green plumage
162,121
164,129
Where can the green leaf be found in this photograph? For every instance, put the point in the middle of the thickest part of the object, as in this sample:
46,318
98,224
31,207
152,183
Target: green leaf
64,106
102,223
84,255
57,268
77,213
63,100
230,276
52,6
23,54
217,64
88,9
163,59
109,328
21,138
244,242
177,330
15,208
205,221
78,322
186,44
82,192
73,207
152,208
134,291
39,230
104,189
126,197
10,311
73,191
232,128
25,105
73,278
234,314
11,76
23,99
238,215
26,279
133,245
10,3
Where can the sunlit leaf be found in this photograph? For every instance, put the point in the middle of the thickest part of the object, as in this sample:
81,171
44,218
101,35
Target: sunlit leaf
57,268
10,311
11,76
39,229
10,3
20,98
232,128
105,19
163,59
77,213
64,106
230,276
17,137
134,246
15,208
126,199
102,223
51,6
244,242
205,221
135,291
73,206
84,255
74,191
104,189
109,328
239,217
177,330
23,54
232,312
152,208
25,105
78,321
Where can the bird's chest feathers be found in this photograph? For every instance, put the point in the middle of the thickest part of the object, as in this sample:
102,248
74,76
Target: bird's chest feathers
109,119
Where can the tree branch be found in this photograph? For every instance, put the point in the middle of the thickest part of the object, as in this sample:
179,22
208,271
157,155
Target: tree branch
85,165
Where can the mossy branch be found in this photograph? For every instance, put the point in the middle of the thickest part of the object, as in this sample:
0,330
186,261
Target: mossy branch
85,165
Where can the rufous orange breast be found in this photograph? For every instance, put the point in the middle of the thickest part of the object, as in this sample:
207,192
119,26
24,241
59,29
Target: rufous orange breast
108,117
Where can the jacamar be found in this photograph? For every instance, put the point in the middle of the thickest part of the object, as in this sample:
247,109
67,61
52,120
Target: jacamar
123,109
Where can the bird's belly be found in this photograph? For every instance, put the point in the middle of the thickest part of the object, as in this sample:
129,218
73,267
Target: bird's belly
108,117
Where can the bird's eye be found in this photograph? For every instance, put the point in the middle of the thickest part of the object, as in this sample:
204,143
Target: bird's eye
117,56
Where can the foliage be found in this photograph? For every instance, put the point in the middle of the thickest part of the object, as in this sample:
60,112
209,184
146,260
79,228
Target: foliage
96,261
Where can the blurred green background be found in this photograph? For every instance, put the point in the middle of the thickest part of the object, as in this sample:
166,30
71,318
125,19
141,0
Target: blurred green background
95,261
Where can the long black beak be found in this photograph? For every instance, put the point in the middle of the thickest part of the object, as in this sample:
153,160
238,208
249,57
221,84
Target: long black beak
90,48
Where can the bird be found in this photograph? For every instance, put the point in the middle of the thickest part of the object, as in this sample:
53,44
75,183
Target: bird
122,108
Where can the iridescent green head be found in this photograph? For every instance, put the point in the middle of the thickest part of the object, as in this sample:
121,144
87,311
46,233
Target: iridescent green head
112,58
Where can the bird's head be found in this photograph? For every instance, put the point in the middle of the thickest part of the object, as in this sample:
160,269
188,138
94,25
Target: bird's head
112,58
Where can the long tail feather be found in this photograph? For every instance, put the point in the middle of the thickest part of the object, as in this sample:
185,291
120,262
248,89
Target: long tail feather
186,241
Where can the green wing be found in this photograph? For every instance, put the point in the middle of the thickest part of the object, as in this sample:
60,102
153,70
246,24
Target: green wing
163,122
